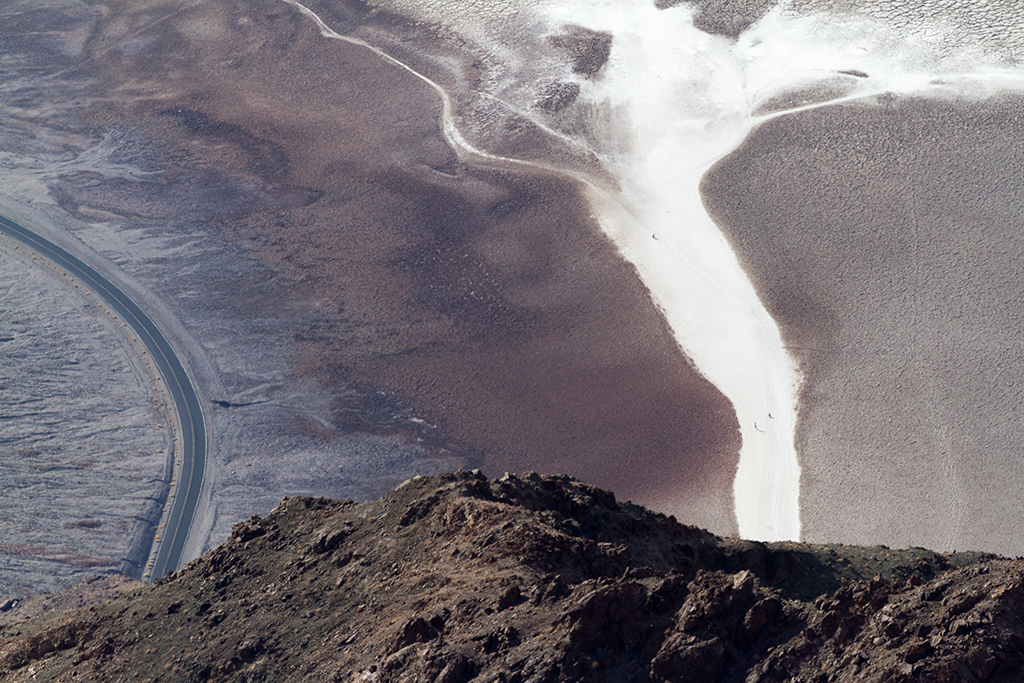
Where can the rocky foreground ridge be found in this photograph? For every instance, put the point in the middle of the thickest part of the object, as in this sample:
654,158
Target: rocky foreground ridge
541,579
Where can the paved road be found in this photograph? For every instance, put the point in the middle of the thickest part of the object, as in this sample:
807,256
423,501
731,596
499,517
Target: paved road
192,445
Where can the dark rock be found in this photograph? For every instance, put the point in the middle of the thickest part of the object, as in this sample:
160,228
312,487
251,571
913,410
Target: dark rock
414,630
761,613
503,639
917,651
552,589
510,597
343,591
417,510
248,530
686,658
329,538
892,630
248,649
712,595
960,627
598,610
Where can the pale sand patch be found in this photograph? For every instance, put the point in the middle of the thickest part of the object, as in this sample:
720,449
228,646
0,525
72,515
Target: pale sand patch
887,242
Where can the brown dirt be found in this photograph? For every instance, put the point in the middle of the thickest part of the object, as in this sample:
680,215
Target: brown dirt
483,302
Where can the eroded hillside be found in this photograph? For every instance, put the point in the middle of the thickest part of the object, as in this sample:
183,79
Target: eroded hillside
532,578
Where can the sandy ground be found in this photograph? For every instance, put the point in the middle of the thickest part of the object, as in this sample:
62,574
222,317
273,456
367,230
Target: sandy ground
886,238
688,268
543,340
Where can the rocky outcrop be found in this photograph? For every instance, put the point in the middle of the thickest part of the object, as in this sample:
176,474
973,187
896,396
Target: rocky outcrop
543,579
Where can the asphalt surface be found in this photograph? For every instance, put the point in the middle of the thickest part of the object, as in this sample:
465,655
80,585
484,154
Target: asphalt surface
191,446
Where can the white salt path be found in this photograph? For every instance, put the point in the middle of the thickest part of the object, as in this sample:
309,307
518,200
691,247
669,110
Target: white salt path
682,101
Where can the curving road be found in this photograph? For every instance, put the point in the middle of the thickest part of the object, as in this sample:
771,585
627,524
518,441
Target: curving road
192,448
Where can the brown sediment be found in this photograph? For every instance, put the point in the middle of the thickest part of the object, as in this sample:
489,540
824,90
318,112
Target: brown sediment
550,356
884,237
727,18
480,310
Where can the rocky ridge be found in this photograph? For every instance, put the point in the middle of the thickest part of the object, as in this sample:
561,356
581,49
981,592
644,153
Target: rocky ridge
534,578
